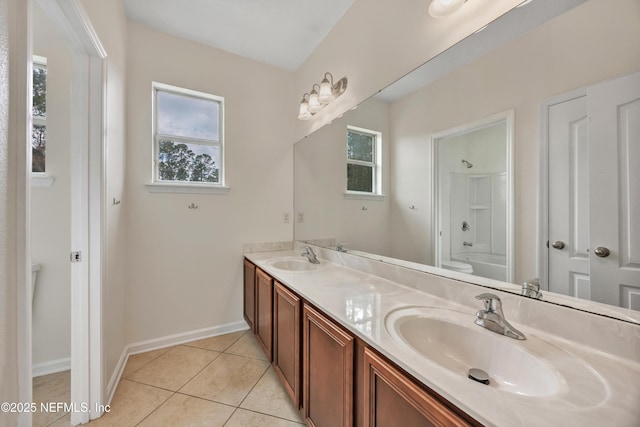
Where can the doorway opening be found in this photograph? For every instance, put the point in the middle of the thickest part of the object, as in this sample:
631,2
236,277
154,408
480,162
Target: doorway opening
473,204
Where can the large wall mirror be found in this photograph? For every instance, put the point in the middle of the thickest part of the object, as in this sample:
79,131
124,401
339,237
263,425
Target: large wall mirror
537,179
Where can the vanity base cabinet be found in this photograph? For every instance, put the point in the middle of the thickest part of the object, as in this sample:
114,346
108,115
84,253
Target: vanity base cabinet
264,312
249,294
391,399
327,372
337,380
286,340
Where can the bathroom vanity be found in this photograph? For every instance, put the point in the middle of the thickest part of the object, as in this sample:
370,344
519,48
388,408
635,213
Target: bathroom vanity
342,379
359,342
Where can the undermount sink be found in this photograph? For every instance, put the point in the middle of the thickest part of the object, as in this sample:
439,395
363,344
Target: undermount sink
532,367
293,264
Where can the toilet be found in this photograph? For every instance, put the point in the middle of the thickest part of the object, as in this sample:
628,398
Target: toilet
461,267
34,276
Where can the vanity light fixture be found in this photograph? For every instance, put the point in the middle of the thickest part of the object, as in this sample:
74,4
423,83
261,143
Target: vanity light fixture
442,8
304,113
326,92
314,101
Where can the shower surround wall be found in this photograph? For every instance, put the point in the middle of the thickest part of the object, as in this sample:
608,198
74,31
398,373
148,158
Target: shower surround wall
475,195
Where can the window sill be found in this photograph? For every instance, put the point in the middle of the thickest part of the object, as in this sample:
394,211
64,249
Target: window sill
175,187
363,196
41,180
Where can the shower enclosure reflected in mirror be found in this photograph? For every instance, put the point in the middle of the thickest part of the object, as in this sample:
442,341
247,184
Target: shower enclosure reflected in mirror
473,199
540,60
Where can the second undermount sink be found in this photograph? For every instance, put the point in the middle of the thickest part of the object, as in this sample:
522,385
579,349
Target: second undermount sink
293,264
532,368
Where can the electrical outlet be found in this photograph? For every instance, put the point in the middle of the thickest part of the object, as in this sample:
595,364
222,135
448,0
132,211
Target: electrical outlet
300,217
286,218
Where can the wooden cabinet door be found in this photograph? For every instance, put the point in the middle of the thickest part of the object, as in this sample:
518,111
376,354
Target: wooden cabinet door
249,294
286,340
391,399
327,372
264,312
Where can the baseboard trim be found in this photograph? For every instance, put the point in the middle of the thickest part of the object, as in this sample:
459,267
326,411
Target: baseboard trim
167,341
51,367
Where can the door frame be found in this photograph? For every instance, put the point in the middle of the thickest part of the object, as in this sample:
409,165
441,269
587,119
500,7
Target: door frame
88,224
542,260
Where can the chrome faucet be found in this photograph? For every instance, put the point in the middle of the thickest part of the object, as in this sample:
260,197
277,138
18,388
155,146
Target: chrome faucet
308,252
531,288
492,317
340,247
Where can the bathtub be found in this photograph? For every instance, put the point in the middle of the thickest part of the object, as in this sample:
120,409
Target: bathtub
491,266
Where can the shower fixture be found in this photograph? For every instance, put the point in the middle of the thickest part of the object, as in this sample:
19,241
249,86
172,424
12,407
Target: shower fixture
467,164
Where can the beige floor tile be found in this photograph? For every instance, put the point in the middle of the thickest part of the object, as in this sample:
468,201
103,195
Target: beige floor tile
137,361
174,368
54,388
43,379
219,343
132,403
247,346
181,410
269,397
244,418
65,421
228,379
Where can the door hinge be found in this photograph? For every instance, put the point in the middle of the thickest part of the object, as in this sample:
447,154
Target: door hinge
76,256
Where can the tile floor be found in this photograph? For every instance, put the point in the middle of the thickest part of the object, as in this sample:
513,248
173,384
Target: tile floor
220,381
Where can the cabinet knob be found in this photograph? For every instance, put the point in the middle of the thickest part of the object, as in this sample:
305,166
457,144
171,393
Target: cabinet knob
558,244
602,252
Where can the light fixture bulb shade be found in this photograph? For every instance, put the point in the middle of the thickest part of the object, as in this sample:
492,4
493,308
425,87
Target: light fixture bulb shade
442,8
305,116
326,92
314,102
304,113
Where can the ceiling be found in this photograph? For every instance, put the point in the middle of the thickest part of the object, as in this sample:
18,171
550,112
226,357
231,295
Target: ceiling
282,33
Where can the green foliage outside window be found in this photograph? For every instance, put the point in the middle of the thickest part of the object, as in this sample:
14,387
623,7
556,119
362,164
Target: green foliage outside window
360,161
39,111
177,162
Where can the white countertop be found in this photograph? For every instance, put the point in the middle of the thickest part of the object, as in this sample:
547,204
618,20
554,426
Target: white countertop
597,388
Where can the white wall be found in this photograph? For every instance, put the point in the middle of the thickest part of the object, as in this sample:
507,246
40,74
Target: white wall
109,21
185,268
50,207
321,180
15,319
569,54
378,41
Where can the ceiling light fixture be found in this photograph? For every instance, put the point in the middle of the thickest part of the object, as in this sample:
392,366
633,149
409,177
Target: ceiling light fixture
326,92
442,8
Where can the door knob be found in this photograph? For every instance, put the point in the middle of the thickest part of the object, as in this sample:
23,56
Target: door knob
558,244
602,252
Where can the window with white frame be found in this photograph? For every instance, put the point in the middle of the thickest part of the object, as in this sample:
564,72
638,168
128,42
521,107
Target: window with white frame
363,161
39,115
188,136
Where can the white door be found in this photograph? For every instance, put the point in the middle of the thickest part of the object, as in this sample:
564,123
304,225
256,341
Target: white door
614,160
594,193
569,198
